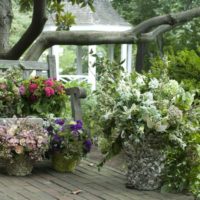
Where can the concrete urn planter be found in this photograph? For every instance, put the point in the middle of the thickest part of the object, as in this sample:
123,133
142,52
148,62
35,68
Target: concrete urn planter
145,165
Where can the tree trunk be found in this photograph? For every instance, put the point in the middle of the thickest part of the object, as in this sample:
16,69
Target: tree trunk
6,16
142,50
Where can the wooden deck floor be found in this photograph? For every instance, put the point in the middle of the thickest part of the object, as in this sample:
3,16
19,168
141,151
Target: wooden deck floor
46,184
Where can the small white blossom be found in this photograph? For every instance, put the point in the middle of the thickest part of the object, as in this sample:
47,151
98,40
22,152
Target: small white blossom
148,98
140,81
154,83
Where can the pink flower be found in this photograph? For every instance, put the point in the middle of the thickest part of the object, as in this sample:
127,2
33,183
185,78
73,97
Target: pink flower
22,90
3,86
33,87
49,91
49,83
60,89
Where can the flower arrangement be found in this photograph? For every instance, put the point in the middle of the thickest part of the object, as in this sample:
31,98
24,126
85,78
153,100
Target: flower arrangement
140,106
42,96
69,138
10,101
22,138
154,119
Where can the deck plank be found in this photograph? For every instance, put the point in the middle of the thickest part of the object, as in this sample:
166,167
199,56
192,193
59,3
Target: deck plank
45,183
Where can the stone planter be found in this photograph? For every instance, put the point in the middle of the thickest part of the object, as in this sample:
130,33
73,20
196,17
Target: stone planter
32,120
61,164
21,166
145,165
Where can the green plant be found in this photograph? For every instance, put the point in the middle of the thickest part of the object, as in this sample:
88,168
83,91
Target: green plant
183,66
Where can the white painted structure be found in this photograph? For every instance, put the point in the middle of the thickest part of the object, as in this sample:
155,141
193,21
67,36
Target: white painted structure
105,18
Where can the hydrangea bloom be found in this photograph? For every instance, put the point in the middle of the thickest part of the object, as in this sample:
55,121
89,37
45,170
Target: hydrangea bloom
22,90
49,82
33,87
49,91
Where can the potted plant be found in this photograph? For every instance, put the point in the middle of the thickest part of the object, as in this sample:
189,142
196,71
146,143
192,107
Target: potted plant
22,142
42,96
143,116
69,142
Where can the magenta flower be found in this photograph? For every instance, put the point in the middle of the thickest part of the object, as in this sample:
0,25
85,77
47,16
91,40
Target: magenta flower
49,83
22,90
49,91
33,87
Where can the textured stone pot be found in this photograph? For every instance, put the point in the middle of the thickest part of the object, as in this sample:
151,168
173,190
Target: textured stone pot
21,166
62,164
145,165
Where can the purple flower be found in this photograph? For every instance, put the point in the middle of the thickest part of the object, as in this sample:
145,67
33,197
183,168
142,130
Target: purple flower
87,145
57,138
77,126
50,130
60,121
22,90
33,98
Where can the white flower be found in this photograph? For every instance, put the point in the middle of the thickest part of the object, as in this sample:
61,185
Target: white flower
12,129
136,93
107,115
140,80
148,98
154,83
124,89
22,141
161,127
171,88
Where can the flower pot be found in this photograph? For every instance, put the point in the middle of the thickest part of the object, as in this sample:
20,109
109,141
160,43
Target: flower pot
61,164
145,166
21,166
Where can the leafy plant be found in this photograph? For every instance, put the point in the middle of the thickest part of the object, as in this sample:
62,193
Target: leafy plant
183,66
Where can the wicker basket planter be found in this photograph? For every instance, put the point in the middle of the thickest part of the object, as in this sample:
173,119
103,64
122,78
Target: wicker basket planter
62,164
22,166
145,165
